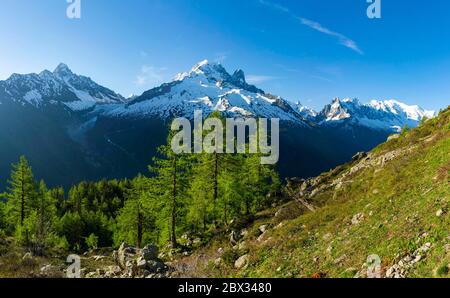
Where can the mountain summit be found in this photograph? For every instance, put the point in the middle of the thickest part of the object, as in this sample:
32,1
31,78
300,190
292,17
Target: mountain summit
207,87
386,115
60,87
62,70
72,128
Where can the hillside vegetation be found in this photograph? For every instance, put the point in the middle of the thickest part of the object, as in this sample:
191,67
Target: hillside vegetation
392,203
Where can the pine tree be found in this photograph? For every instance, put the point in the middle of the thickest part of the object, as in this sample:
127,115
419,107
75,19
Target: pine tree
78,201
21,195
201,206
257,182
136,222
172,173
45,217
58,195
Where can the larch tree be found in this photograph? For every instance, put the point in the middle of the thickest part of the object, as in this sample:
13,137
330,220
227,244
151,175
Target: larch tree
21,194
172,181
136,222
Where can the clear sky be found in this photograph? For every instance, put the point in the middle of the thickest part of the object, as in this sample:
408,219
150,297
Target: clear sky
307,50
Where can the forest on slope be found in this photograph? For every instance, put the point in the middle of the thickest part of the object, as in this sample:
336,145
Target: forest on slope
392,202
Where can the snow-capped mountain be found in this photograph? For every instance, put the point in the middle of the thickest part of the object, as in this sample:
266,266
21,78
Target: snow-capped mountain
305,112
207,87
100,134
385,115
61,86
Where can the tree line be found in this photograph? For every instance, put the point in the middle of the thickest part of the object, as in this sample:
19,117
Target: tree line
183,193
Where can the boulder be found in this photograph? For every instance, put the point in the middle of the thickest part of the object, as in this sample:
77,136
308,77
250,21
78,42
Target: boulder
242,262
150,252
156,266
243,245
261,237
262,228
141,263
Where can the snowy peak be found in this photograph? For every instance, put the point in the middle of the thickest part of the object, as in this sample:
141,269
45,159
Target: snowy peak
386,115
62,70
213,71
61,86
305,112
395,107
239,76
209,87
338,110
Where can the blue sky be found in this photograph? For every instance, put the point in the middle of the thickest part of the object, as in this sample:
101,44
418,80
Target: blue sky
307,50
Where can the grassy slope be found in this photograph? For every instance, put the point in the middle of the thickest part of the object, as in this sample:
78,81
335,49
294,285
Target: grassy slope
398,199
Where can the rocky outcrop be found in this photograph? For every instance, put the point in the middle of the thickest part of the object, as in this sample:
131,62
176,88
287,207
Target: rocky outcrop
402,267
132,262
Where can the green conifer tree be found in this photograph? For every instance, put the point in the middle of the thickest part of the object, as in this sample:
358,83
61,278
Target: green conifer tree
21,194
136,222
171,182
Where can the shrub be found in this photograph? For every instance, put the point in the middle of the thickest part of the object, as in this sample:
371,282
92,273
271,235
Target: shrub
230,256
92,241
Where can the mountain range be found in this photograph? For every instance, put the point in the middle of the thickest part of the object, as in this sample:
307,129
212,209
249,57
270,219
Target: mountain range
72,128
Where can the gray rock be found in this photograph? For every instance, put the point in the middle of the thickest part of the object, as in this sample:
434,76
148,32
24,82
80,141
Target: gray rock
125,254
141,263
262,228
150,252
242,262
242,245
357,218
156,266
261,237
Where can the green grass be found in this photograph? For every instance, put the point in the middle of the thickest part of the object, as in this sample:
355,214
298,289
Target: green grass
398,201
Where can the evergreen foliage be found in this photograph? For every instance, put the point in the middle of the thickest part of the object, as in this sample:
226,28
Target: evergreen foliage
195,194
